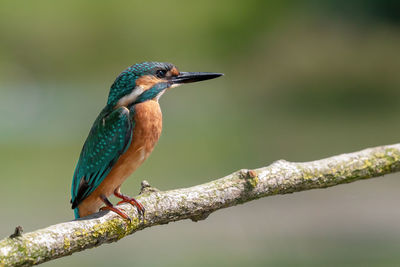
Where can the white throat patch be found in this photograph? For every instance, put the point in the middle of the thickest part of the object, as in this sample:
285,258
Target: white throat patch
128,99
175,85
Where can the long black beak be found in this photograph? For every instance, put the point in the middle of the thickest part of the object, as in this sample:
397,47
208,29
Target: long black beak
190,77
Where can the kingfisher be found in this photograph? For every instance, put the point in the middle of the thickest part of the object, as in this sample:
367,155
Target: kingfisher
123,135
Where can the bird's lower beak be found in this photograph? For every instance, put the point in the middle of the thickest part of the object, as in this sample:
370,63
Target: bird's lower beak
190,77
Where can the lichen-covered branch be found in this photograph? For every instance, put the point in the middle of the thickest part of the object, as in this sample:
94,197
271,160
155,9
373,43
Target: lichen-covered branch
196,203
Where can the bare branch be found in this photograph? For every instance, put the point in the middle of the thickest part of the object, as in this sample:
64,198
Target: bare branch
196,203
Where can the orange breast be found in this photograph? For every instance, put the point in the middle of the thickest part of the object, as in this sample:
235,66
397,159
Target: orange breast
146,132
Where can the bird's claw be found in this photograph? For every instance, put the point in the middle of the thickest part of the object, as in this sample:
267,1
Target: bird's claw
140,208
118,211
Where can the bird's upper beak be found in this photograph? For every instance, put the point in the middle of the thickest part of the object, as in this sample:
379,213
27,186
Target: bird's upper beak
190,77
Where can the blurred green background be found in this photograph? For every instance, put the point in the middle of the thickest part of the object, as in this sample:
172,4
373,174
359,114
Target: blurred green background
303,80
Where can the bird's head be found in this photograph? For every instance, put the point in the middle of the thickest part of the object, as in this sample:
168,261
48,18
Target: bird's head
149,80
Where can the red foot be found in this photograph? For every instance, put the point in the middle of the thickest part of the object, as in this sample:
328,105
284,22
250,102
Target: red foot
116,210
132,201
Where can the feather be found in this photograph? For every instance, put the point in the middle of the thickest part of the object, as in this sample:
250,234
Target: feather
110,136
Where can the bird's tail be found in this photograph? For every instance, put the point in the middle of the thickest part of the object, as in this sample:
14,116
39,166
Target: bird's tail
76,212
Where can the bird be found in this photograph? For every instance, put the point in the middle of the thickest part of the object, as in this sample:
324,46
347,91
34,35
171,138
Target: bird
123,135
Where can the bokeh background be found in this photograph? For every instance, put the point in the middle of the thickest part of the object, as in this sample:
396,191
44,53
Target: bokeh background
303,80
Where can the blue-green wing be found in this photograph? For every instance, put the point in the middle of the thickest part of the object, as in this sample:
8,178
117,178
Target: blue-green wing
108,139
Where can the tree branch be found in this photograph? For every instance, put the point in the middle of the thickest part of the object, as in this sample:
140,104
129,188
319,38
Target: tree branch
196,203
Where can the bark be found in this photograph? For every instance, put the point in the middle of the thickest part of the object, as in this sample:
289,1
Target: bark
195,203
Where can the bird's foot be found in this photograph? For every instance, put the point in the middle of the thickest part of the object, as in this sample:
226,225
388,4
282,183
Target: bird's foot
118,211
110,206
125,199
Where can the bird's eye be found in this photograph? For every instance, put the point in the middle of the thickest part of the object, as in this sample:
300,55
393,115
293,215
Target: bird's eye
161,73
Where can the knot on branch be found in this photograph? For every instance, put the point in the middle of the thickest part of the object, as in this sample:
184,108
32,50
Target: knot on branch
247,174
17,232
147,188
200,217
251,178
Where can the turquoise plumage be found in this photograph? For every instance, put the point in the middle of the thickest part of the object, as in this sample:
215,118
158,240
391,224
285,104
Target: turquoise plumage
108,139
